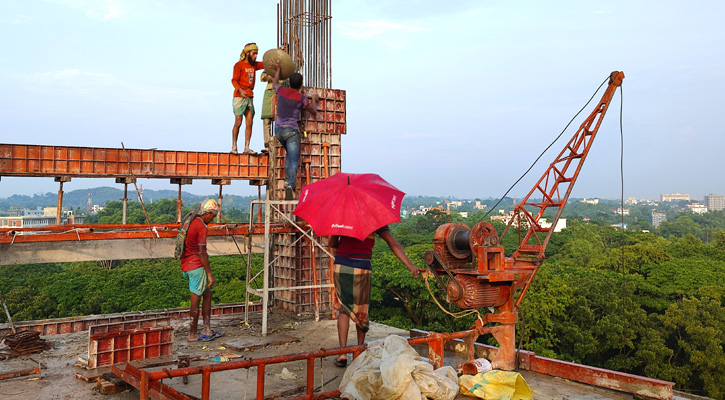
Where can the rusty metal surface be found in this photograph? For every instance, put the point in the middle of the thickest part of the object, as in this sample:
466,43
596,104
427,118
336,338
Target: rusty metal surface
95,162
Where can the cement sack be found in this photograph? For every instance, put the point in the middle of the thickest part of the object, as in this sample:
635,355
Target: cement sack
391,369
496,385
271,57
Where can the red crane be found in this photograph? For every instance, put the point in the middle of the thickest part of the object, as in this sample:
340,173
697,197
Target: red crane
470,262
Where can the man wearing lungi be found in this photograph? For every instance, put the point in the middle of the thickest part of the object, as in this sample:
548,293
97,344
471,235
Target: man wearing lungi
243,77
352,281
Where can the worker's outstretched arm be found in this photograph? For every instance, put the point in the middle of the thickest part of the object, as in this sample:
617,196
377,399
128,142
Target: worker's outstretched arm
275,79
399,252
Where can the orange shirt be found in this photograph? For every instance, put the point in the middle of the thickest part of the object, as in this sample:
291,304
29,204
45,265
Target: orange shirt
244,74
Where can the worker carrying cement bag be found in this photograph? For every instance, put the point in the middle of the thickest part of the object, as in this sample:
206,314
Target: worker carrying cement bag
391,369
496,385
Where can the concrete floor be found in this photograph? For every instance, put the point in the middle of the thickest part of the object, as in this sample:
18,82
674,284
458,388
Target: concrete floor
288,334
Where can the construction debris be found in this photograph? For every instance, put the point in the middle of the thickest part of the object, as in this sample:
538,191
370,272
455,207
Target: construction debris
24,342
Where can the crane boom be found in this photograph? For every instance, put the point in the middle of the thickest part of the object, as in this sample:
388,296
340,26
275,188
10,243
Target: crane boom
470,263
556,184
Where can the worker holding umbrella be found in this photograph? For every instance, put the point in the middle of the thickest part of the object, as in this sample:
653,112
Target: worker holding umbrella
353,209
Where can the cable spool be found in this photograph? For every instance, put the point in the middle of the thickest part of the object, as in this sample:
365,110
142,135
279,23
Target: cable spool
457,240
271,57
478,293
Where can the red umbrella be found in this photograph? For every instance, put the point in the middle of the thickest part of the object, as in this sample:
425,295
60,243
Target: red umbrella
349,205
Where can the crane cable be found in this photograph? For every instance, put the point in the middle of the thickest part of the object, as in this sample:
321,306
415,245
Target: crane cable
546,149
621,206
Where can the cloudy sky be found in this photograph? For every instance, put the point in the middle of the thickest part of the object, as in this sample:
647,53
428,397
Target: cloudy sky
454,99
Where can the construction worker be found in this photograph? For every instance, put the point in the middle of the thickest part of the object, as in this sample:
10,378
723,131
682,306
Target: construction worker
290,101
196,268
243,79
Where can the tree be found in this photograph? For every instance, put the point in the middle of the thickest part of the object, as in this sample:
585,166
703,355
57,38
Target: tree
695,328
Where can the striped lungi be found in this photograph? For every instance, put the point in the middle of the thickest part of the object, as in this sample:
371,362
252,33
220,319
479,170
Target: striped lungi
352,286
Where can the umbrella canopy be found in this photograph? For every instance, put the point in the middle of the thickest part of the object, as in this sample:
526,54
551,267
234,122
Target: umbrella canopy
352,205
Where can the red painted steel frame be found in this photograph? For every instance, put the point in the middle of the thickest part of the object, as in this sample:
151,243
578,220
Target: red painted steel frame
62,233
60,326
149,383
620,381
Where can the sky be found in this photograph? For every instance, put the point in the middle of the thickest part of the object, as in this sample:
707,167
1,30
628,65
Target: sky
443,99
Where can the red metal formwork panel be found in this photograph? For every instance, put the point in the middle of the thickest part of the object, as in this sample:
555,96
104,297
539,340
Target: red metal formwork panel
36,160
126,341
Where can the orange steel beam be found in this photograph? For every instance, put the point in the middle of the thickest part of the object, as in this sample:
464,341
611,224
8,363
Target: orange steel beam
60,233
95,162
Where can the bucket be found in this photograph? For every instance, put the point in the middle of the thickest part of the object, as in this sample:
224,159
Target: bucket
475,367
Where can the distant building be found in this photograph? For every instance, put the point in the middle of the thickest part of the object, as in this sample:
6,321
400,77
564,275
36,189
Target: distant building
560,224
453,204
658,217
479,206
675,197
464,214
631,200
697,208
424,210
715,202
621,211
37,221
592,201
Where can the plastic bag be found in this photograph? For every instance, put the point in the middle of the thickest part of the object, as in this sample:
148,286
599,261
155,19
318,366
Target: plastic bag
495,385
391,369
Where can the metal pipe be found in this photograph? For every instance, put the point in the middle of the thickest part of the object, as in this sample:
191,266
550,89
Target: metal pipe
178,206
125,202
219,214
60,204
260,382
310,376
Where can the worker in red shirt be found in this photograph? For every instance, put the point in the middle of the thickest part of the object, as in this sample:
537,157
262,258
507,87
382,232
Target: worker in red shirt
196,269
243,81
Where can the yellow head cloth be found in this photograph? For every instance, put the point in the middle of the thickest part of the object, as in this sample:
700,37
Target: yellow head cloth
249,47
208,205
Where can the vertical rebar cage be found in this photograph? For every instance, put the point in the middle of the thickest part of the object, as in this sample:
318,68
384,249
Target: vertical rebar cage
305,27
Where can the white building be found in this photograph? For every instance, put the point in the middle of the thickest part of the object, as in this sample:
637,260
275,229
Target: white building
675,197
697,208
38,221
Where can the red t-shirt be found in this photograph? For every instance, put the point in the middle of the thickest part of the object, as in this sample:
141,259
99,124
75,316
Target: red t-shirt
244,74
355,252
195,237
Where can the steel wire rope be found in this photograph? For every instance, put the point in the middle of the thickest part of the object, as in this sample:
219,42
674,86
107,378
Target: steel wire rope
238,248
545,150
518,309
621,199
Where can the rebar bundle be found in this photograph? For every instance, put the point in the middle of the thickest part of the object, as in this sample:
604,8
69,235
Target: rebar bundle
304,28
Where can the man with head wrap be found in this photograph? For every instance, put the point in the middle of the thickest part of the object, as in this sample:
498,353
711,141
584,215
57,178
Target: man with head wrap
196,269
243,79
